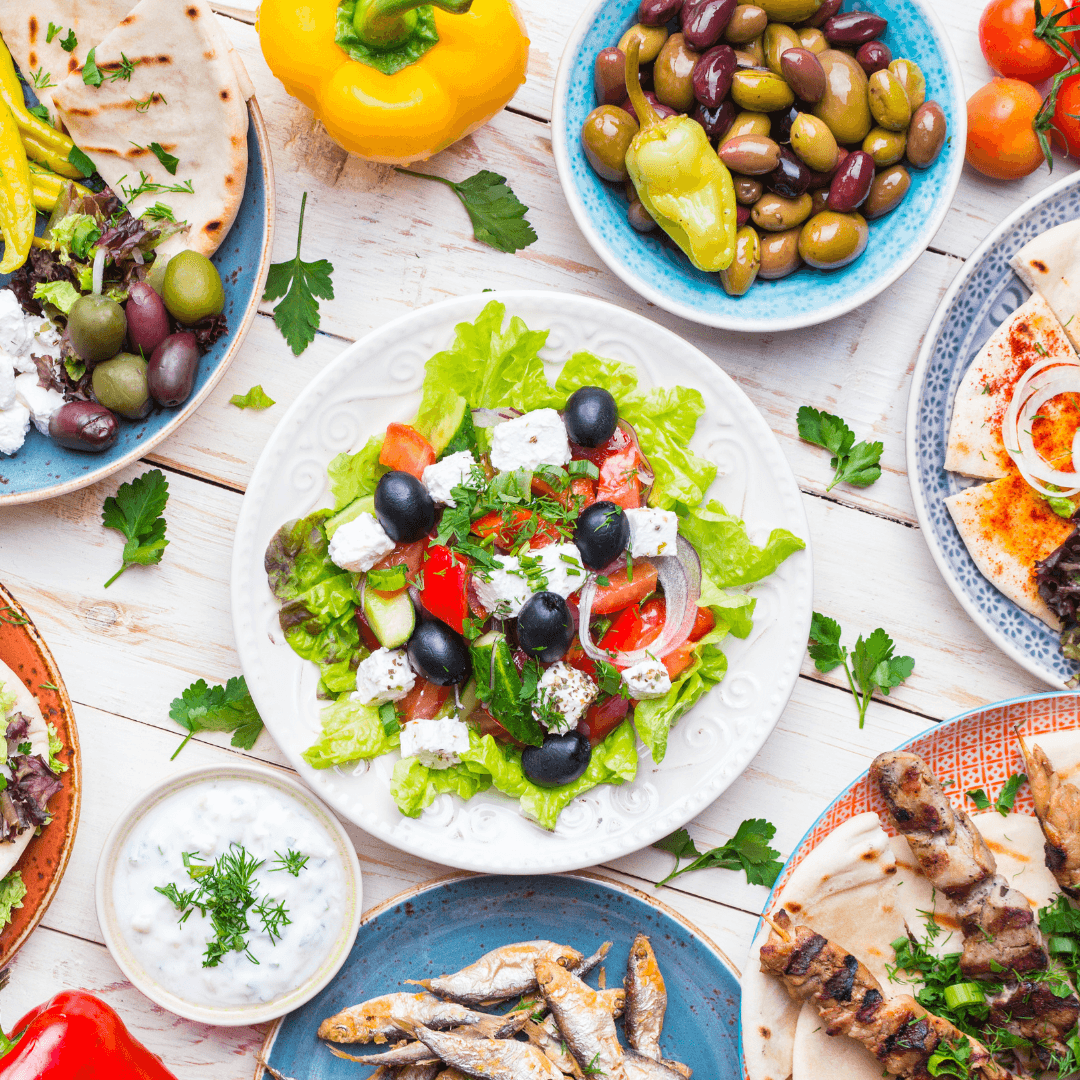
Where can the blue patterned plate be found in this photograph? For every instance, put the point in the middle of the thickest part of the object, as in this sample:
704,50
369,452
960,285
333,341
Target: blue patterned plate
657,270
43,470
442,926
983,295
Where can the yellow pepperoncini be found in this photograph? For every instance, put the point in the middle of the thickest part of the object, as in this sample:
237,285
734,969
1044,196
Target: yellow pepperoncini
679,179
396,81
17,214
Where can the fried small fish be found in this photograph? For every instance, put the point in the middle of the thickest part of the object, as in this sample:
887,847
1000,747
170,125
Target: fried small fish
451,1074
547,1037
491,1059
417,1053
427,1071
533,1003
394,1015
637,1066
506,972
646,999
584,1018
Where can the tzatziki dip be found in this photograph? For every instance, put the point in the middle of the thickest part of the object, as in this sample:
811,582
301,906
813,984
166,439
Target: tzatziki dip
229,825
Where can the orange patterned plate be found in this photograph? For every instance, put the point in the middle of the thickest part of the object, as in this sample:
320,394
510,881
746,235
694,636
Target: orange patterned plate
45,859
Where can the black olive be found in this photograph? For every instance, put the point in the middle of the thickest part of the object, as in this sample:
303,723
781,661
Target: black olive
602,534
545,627
439,654
591,416
561,759
404,507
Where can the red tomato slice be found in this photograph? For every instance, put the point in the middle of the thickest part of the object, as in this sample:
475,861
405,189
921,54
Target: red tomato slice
703,624
423,701
635,627
603,718
619,481
580,493
678,661
619,440
508,534
446,586
486,724
621,593
405,449
409,555
577,658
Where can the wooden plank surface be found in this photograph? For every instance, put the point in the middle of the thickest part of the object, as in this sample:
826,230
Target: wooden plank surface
396,244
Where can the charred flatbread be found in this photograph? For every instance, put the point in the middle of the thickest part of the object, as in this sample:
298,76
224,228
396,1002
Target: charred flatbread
1050,264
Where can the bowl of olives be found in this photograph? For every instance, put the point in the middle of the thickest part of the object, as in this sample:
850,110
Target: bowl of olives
839,135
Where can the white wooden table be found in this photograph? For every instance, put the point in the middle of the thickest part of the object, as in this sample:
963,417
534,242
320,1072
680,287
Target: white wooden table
127,652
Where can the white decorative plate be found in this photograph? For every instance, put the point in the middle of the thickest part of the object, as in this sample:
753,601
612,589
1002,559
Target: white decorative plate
378,380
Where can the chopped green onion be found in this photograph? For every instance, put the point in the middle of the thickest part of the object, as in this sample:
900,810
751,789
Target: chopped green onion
389,719
583,468
961,995
1062,945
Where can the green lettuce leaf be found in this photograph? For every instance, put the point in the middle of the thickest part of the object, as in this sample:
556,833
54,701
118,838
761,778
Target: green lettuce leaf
61,294
335,648
7,700
55,746
350,731
298,556
414,786
353,475
12,891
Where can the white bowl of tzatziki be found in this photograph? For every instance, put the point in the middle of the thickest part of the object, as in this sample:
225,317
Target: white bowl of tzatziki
229,894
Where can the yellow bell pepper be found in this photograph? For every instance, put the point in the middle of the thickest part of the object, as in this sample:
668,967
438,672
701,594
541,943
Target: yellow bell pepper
396,81
17,214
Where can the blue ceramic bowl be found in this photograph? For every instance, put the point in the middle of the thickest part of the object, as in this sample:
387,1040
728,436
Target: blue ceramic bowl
42,469
442,926
655,268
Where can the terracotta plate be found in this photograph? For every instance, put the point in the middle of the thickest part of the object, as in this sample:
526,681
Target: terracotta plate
45,859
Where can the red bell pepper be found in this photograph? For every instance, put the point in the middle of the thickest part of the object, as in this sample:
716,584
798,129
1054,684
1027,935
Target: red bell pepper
76,1036
446,583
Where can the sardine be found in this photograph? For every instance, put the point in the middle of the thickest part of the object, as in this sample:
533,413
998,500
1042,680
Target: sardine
646,999
546,1036
394,1015
491,1059
638,1066
451,1074
506,972
534,1003
417,1053
584,1018
427,1071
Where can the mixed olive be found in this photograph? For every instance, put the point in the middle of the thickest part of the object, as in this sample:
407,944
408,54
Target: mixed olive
804,104
138,354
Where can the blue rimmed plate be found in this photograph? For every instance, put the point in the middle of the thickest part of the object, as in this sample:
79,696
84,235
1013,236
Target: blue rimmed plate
442,926
982,296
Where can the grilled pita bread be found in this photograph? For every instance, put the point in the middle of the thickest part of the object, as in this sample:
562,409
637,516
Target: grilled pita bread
197,113
1051,264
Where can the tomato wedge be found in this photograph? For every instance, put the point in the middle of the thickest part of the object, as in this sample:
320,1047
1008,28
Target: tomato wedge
603,718
423,701
621,592
446,586
406,450
411,556
577,658
581,491
678,661
619,481
509,533
703,624
635,627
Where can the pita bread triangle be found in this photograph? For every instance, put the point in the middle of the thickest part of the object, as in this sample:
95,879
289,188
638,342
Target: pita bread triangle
1050,264
184,95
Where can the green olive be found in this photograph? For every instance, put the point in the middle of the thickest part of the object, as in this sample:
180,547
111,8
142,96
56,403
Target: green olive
887,191
776,40
845,104
790,11
192,288
605,137
889,101
810,37
156,278
673,74
760,91
747,123
830,240
747,22
120,384
774,213
740,275
885,147
911,79
779,254
814,143
652,41
96,326
747,190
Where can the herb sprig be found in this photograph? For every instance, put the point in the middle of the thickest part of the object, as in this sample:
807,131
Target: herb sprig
218,708
748,850
852,463
136,511
1003,804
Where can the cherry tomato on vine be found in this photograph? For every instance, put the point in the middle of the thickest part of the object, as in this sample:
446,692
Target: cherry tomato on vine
1018,45
1001,140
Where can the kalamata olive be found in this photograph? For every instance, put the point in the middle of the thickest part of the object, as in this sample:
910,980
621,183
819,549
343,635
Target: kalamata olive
96,326
609,76
781,122
640,219
704,21
851,182
887,191
748,21
751,155
545,627
601,534
874,56
192,289
439,653
742,215
84,425
747,190
716,122
804,74
926,134
827,10
172,369
147,319
605,137
790,178
854,27
712,76
120,384
404,507
560,760
673,73
662,110
743,270
658,12
590,416
819,201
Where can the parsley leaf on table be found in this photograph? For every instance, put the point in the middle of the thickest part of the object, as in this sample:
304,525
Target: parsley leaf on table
748,850
255,398
136,511
218,708
497,216
91,75
853,463
872,666
297,316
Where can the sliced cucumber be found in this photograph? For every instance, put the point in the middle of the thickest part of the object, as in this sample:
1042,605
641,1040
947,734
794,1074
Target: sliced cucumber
464,436
498,686
364,505
392,618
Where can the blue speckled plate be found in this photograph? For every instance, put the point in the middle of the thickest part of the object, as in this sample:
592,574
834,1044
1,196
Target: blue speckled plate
655,268
444,925
982,296
43,470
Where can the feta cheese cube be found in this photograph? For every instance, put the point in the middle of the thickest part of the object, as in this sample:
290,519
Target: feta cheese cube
652,532
649,679
560,565
529,441
566,690
504,591
43,403
16,328
7,383
437,743
14,424
384,676
441,478
359,544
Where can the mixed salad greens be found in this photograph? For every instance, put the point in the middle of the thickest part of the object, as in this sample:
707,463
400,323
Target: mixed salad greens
490,376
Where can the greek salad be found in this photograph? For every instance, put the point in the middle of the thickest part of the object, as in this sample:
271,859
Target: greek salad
512,584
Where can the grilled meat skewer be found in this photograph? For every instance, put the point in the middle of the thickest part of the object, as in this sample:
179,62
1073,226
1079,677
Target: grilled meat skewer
1057,806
